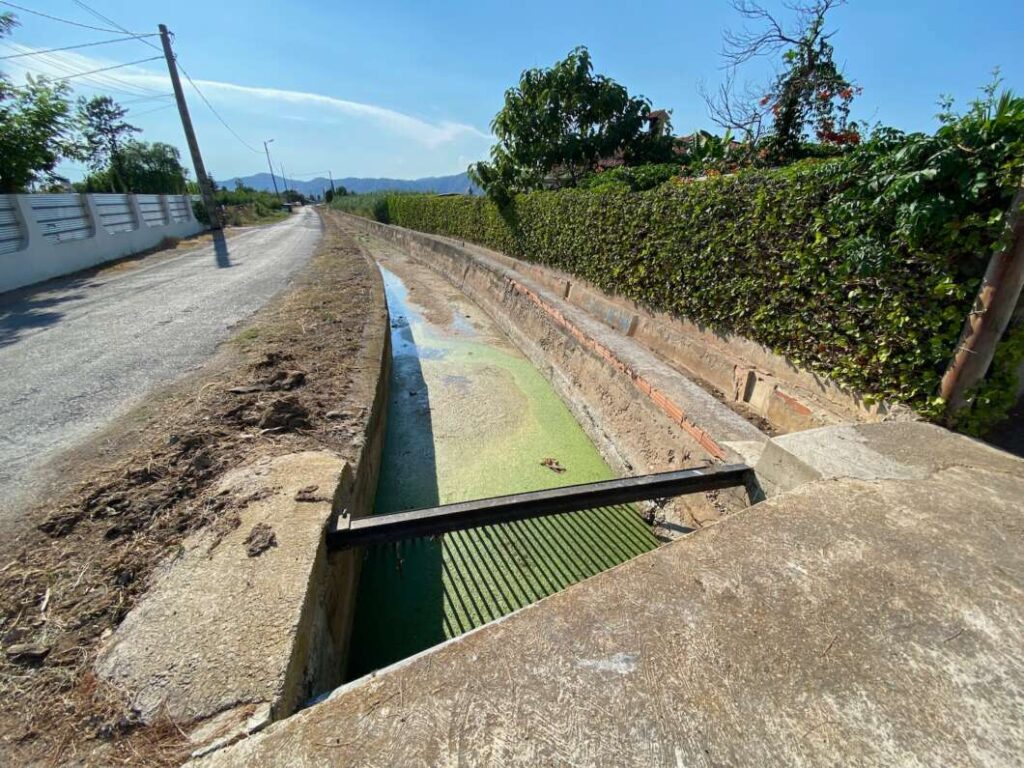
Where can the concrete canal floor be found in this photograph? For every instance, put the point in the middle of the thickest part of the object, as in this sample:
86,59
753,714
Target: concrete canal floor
470,417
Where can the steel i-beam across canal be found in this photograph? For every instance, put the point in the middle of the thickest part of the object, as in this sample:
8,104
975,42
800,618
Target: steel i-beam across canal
433,521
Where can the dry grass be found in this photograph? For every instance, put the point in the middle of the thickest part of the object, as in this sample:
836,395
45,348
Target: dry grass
72,577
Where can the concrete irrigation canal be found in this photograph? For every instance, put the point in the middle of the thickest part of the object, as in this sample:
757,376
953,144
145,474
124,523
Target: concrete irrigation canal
470,417
792,591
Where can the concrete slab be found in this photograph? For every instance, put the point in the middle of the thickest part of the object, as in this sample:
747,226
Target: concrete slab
225,632
889,451
850,621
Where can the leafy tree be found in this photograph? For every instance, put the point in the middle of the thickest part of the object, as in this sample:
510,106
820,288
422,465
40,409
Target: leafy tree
106,133
143,167
558,123
35,130
7,23
330,194
810,97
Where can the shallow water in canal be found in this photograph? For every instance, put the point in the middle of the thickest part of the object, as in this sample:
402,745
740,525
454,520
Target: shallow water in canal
470,417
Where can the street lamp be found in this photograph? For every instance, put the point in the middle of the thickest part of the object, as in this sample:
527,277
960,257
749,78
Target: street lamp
271,166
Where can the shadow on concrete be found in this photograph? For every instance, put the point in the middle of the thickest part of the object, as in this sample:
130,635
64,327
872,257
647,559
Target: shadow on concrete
36,307
220,249
400,601
1009,434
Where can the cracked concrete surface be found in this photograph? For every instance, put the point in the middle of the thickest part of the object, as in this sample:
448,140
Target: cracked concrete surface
222,629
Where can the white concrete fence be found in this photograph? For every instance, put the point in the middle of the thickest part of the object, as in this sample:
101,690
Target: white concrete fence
45,236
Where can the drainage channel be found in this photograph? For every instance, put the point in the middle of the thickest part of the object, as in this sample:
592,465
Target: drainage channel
469,417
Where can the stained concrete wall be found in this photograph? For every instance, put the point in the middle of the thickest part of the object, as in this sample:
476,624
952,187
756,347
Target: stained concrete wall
756,380
46,236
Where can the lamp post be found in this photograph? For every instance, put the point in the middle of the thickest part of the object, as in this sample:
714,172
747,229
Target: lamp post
271,166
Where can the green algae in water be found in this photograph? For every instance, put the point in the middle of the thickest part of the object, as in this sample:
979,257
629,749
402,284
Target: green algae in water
470,417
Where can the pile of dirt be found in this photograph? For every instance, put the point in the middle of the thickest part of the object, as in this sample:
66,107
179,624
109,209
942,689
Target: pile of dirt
283,385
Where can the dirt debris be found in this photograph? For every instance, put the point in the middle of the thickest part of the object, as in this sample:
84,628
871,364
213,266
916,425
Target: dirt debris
129,500
309,493
286,414
280,380
260,539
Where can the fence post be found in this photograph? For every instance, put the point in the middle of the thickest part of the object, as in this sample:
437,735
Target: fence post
165,206
93,212
27,219
133,206
990,315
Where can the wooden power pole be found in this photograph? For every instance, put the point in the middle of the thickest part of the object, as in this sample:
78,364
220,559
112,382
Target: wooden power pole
270,165
331,177
285,182
190,134
991,314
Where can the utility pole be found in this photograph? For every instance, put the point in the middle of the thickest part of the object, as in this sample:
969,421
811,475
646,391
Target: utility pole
993,310
285,179
270,165
332,182
190,134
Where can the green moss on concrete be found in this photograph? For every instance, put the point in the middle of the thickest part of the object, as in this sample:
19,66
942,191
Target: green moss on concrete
470,417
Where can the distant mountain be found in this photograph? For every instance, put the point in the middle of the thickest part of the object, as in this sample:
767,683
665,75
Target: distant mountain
459,184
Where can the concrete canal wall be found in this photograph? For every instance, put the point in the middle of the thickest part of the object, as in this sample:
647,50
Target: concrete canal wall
750,377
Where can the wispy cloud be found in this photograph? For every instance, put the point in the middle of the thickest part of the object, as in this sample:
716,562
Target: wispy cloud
429,134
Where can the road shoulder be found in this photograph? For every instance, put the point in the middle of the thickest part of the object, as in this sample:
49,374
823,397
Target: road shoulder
296,378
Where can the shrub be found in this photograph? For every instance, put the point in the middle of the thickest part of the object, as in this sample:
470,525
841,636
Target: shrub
861,268
369,205
636,178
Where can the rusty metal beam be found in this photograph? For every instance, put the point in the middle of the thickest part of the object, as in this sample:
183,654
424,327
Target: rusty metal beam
380,529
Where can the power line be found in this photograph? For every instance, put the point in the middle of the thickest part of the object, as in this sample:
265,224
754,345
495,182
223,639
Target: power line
69,48
104,82
216,114
149,111
67,21
106,69
148,98
188,77
109,20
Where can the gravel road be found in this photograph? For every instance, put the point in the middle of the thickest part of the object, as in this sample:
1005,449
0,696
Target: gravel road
78,352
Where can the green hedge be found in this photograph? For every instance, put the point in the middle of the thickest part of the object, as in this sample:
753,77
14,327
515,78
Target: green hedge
369,205
808,260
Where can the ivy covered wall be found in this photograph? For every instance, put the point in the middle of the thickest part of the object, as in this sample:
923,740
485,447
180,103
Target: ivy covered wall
861,268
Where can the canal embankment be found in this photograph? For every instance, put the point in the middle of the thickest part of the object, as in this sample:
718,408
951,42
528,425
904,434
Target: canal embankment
499,385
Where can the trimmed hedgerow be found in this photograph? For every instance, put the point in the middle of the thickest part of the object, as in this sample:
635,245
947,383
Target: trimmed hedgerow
860,268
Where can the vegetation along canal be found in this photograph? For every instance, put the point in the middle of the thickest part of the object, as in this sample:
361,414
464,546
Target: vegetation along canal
470,417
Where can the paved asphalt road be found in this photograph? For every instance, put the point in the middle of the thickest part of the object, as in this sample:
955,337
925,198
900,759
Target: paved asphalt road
80,351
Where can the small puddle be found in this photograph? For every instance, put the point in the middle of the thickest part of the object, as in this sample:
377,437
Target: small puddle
470,417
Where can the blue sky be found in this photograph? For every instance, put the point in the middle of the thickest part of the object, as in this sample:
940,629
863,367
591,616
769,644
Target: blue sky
408,89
